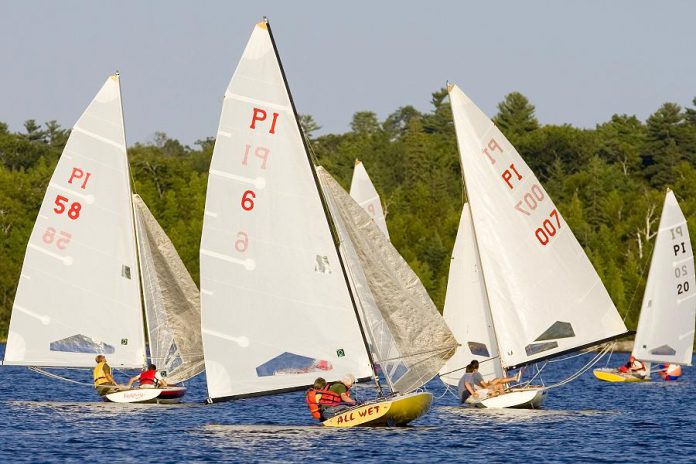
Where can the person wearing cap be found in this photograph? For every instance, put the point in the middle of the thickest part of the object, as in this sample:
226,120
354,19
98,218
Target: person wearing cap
339,398
634,367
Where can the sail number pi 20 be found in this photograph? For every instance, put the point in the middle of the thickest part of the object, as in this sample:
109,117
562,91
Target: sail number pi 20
530,199
679,249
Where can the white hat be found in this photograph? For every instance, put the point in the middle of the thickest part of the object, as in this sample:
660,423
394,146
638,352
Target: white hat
348,380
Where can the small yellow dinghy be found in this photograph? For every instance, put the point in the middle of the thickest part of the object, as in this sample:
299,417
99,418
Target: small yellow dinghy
612,375
394,411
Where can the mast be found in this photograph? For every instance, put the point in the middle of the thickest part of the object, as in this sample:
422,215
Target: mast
145,330
325,208
483,274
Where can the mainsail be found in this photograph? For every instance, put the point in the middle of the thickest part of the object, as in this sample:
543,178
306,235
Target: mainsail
276,311
466,310
544,294
172,305
79,292
365,194
666,326
408,335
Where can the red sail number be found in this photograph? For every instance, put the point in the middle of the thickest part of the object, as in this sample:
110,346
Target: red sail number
548,229
62,202
248,200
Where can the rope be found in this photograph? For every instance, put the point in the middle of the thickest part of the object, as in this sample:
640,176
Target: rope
583,369
58,377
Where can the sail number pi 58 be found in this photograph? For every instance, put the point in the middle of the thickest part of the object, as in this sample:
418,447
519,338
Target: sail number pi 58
531,198
63,205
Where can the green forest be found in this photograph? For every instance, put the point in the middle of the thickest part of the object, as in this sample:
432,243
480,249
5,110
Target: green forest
608,182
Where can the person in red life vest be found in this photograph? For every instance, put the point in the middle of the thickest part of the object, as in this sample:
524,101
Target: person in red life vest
669,372
336,398
634,367
313,396
148,378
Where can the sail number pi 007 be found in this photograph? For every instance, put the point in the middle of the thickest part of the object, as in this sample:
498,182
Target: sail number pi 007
531,198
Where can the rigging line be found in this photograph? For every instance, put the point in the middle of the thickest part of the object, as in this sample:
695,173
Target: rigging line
460,368
642,273
58,377
582,370
412,355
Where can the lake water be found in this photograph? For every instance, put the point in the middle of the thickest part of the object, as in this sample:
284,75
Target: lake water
54,421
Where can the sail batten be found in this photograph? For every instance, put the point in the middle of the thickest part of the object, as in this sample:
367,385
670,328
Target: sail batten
666,325
79,289
545,297
276,312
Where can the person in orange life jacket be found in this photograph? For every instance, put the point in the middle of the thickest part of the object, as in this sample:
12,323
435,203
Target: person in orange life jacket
669,372
336,398
313,397
103,380
634,367
148,378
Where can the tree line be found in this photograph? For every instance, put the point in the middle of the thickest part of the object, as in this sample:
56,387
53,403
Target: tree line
608,182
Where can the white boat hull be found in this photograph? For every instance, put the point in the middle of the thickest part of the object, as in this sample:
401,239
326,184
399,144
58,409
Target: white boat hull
147,395
527,398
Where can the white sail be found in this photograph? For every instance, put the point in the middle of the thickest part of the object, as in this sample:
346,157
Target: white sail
363,192
172,303
466,310
409,338
276,311
544,294
79,290
666,325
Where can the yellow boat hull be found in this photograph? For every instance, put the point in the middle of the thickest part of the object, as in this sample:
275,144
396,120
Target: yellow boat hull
396,411
614,376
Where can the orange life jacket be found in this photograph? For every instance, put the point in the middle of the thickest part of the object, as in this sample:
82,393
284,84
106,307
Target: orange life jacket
312,398
329,398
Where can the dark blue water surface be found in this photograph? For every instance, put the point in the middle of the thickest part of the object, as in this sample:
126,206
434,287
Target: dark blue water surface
51,420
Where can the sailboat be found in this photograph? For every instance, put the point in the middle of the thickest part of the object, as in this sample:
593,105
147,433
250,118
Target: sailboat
79,292
665,332
363,192
521,290
279,307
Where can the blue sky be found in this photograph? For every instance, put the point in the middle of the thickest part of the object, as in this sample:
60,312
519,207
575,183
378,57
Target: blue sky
578,62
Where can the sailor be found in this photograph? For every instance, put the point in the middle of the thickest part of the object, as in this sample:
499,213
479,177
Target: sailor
336,398
669,372
313,396
148,378
473,387
634,367
103,380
